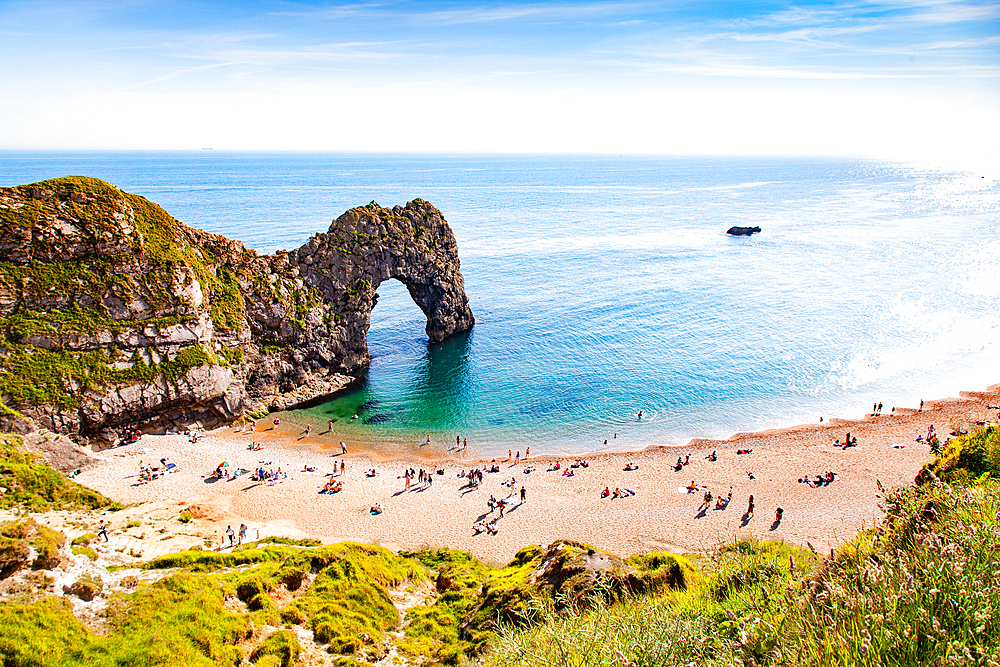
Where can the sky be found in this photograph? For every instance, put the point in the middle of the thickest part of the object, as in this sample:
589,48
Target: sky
900,78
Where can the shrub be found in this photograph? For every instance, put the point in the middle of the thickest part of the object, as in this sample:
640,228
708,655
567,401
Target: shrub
185,517
281,645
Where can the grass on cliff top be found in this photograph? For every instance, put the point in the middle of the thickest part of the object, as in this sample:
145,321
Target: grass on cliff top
921,588
162,242
36,375
180,620
33,485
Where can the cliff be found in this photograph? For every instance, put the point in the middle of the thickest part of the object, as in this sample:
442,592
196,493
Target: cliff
115,314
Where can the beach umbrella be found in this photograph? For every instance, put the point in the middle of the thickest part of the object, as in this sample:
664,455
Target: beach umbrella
224,464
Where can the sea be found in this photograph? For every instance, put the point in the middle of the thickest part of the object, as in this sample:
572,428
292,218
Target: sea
605,286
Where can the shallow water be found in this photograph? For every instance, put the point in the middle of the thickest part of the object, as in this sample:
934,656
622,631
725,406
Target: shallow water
603,286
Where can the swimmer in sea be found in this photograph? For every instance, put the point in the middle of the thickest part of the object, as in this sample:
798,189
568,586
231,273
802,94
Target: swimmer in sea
639,416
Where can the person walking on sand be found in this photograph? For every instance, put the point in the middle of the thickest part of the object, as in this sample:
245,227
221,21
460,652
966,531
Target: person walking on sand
102,530
230,534
527,452
329,426
921,405
341,467
243,532
343,447
750,506
524,494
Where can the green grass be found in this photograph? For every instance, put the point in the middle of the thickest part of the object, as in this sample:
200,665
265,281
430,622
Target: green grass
33,485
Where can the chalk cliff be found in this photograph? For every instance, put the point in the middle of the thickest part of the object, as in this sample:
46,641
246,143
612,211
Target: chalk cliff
113,313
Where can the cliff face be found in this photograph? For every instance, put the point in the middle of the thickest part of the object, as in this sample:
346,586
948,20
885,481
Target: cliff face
113,313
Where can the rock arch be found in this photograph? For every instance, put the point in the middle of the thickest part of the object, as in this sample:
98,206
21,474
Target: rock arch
370,244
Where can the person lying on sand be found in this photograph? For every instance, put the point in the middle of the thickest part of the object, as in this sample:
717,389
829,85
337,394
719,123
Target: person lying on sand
333,486
376,509
371,472
630,466
528,470
744,451
308,468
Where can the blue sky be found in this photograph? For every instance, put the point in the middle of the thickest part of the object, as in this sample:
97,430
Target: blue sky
900,78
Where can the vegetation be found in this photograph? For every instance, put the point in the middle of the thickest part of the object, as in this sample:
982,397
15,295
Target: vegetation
921,588
31,484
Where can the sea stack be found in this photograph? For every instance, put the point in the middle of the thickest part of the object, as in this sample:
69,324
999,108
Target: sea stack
742,231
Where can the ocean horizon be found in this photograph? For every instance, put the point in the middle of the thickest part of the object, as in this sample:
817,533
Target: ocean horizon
603,286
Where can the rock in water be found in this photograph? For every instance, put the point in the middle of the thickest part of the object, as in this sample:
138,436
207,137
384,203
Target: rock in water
743,231
114,314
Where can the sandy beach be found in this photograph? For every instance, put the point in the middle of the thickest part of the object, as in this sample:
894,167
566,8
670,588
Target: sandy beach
661,514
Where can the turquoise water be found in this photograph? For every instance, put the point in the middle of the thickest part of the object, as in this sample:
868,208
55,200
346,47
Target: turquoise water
603,286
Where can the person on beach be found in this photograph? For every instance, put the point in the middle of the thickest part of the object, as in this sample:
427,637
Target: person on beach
230,534
341,467
879,411
276,422
527,452
329,426
921,405
517,457
102,530
343,447
243,533
524,494
750,506
777,515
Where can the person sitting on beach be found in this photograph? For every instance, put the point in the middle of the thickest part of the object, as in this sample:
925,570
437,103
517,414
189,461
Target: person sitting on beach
630,466
750,475
583,463
478,527
371,472
308,468
606,492
491,527
528,470
692,487
616,494
376,509
554,466
568,473
712,457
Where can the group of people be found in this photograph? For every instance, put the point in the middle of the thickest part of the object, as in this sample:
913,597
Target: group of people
148,472
821,480
242,535
617,493
262,474
424,477
849,441
332,486
130,436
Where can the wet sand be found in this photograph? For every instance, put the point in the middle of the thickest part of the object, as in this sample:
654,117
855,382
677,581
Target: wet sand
661,515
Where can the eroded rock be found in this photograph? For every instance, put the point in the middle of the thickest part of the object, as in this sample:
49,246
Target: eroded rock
114,314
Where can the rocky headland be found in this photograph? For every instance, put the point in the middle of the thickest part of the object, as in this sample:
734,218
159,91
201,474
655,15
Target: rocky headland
114,314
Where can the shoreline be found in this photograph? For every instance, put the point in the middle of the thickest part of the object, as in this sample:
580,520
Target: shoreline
358,445
661,515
